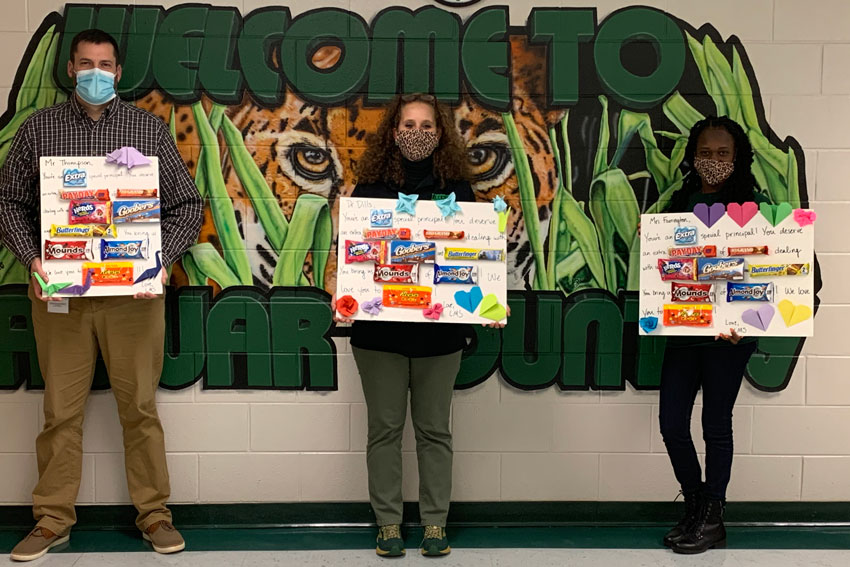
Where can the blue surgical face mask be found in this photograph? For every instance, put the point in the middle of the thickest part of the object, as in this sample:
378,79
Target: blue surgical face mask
96,86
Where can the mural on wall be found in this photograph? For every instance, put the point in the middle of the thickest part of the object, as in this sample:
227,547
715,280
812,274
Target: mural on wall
580,123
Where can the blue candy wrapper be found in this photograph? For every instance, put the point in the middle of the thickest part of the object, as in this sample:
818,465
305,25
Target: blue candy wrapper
142,210
381,218
407,251
685,235
123,249
455,274
720,268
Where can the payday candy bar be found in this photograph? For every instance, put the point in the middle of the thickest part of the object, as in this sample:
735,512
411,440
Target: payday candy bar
749,291
676,268
137,193
124,249
92,194
709,251
88,212
692,292
406,251
720,268
68,250
418,297
455,274
685,235
110,273
688,315
364,251
396,273
82,230
381,218
746,250
493,254
143,210
444,234
759,270
386,234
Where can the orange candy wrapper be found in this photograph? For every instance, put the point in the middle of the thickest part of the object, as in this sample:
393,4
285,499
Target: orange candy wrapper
110,273
415,296
688,315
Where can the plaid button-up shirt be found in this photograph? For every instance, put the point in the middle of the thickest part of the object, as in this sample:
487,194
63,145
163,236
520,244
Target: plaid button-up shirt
65,130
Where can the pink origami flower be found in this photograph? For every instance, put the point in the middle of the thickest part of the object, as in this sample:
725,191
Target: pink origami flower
804,217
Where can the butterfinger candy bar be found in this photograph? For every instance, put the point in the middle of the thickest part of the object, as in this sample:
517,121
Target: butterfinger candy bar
406,252
364,251
396,273
417,297
455,274
692,292
88,212
68,250
737,291
720,268
143,210
84,230
444,234
123,249
92,194
746,250
677,268
709,251
759,270
137,193
110,273
493,254
699,315
386,234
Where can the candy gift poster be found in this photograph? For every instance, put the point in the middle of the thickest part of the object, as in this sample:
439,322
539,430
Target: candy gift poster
100,226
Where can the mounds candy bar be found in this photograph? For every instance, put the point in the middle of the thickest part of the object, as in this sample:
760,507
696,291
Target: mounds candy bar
364,251
396,273
698,315
746,250
709,251
492,254
406,251
720,268
677,268
692,292
110,273
85,230
685,235
137,193
381,218
91,194
142,210
417,297
455,274
760,270
124,249
68,250
736,291
88,212
444,234
386,234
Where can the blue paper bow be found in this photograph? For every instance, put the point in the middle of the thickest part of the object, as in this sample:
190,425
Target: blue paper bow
406,204
499,204
448,206
648,324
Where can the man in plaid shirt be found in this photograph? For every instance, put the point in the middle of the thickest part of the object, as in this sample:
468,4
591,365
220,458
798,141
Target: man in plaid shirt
128,331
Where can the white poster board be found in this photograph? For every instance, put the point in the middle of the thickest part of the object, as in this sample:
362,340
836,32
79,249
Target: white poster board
81,174
460,302
790,311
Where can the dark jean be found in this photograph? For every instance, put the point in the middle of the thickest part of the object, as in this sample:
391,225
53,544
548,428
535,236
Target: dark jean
719,370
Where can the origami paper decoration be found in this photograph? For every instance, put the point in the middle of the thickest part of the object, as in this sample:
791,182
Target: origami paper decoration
79,289
804,217
492,309
129,156
775,214
759,318
448,206
434,311
742,214
406,204
373,307
49,290
469,300
648,324
151,272
709,215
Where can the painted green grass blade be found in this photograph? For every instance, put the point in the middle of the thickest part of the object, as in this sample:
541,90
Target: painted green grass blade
47,90
600,162
721,72
211,265
555,224
681,113
769,155
193,272
310,230
792,190
664,198
657,163
11,271
745,90
584,231
28,91
172,124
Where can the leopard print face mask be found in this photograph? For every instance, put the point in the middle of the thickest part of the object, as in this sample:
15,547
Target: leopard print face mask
714,172
416,145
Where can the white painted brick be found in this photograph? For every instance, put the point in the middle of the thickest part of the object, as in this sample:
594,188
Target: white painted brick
245,396
801,431
742,429
14,17
793,394
19,473
629,396
832,174
359,430
334,477
475,477
86,495
635,477
300,427
775,62
812,120
13,45
22,418
550,476
503,427
249,477
102,431
487,392
834,267
824,20
832,221
184,396
759,478
111,478
21,395
750,20
829,382
205,427
835,77
830,338
604,427
552,394
825,478
349,389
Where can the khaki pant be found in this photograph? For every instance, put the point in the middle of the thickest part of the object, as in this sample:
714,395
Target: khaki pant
387,378
130,335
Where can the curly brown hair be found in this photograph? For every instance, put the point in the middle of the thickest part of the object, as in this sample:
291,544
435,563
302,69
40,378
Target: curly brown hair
382,159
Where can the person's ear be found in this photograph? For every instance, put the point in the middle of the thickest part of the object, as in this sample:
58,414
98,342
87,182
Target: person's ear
118,70
70,69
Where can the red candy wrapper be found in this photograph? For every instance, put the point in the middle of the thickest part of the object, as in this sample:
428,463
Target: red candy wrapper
81,194
386,234
692,292
677,269
444,234
700,315
418,297
396,273
89,212
68,250
709,251
364,251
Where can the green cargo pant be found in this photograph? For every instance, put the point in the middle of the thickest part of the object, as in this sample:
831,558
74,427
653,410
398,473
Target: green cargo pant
386,379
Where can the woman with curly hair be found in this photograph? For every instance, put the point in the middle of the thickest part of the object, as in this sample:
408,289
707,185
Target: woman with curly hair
718,161
416,150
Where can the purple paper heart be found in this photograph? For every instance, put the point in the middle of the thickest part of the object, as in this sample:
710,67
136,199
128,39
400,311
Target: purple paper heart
709,215
759,318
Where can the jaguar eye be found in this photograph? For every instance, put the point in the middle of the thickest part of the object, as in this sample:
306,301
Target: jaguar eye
487,160
311,162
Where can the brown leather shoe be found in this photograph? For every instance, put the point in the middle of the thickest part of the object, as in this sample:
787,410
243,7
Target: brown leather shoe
38,542
164,537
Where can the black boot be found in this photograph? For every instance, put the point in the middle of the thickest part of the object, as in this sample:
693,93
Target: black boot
707,532
693,503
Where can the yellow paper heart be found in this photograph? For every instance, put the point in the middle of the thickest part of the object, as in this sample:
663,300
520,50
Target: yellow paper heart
793,314
492,309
